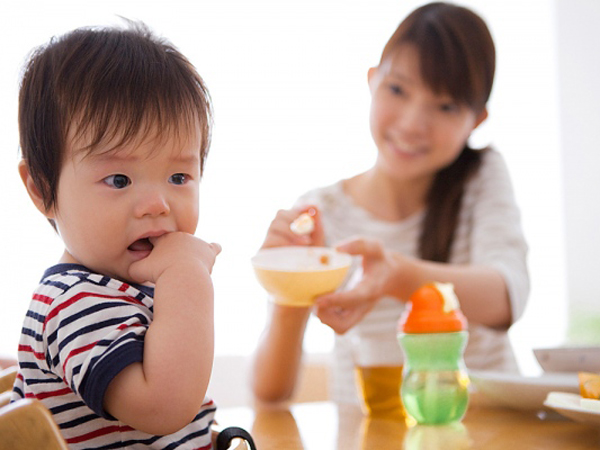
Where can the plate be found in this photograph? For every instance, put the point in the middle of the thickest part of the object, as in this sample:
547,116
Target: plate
568,359
569,405
519,392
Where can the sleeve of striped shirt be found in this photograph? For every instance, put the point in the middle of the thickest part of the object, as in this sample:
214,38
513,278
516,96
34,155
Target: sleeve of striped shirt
93,332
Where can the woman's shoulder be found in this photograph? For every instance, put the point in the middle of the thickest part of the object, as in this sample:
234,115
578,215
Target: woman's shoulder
493,171
323,196
492,161
491,186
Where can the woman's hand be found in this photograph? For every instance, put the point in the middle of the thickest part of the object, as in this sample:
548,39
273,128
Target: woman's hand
7,361
383,272
482,291
280,234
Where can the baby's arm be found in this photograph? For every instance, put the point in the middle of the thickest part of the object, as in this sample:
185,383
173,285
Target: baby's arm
163,393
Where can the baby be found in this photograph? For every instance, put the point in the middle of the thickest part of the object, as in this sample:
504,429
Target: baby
118,340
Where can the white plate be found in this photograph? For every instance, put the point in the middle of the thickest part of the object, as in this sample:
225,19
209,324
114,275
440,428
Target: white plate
569,405
519,392
569,359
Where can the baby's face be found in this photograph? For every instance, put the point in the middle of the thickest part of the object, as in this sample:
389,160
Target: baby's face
109,203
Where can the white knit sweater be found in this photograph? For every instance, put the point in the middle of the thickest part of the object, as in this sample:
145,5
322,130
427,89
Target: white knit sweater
488,234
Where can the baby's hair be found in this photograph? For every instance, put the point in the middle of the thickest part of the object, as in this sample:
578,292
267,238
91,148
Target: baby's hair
109,85
457,57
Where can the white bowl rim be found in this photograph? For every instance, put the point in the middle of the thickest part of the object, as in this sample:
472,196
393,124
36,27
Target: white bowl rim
342,260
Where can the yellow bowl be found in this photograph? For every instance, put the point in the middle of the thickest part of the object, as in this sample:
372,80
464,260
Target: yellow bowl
296,275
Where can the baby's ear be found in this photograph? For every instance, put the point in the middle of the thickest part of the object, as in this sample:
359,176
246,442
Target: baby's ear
33,191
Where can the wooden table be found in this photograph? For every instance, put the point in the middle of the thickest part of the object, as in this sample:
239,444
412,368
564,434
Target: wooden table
327,426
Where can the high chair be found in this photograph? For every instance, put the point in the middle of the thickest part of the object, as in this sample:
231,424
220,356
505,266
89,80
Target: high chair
5,398
27,424
7,378
231,438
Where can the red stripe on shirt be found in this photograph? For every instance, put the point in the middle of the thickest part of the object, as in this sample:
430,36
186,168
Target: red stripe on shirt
77,351
43,298
29,349
49,394
100,432
54,312
129,325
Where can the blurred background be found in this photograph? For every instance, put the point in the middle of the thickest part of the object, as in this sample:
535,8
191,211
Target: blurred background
289,85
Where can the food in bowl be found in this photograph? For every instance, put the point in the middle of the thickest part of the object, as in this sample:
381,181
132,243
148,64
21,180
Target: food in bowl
296,275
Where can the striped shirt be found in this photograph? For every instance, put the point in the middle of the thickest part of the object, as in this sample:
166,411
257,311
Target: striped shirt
80,331
488,234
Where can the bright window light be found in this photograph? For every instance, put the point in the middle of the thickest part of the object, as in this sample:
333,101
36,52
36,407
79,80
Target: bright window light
289,85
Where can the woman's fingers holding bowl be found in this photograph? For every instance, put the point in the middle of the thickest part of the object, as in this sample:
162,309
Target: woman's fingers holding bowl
342,315
368,248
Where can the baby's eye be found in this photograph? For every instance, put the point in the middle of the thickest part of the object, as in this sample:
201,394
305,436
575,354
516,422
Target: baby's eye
178,178
117,181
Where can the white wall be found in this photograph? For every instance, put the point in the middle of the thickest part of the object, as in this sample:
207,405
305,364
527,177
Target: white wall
289,87
579,56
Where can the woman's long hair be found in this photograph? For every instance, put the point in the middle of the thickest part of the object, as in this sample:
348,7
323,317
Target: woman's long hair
458,58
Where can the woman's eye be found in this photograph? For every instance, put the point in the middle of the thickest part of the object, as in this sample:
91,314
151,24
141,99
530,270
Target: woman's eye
395,89
449,107
178,178
117,181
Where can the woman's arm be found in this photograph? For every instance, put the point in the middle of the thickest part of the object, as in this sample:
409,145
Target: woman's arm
481,290
492,284
278,356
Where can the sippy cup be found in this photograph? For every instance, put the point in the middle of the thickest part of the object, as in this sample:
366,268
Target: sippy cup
432,334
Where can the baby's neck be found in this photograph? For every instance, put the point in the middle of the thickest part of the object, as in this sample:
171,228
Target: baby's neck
67,258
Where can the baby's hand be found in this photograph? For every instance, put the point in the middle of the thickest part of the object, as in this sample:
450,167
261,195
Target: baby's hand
176,250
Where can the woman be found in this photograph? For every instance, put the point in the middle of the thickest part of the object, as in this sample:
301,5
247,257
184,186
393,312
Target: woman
430,209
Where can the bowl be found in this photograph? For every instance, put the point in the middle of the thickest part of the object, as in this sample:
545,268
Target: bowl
515,391
296,275
568,359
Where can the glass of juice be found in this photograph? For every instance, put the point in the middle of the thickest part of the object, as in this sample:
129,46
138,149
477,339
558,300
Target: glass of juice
378,373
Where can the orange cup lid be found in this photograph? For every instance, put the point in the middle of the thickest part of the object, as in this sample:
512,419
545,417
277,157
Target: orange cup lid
433,308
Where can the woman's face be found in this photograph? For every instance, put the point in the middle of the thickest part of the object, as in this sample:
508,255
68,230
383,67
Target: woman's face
417,132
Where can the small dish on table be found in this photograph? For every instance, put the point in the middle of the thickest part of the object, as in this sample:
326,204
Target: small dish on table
516,391
574,407
569,359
